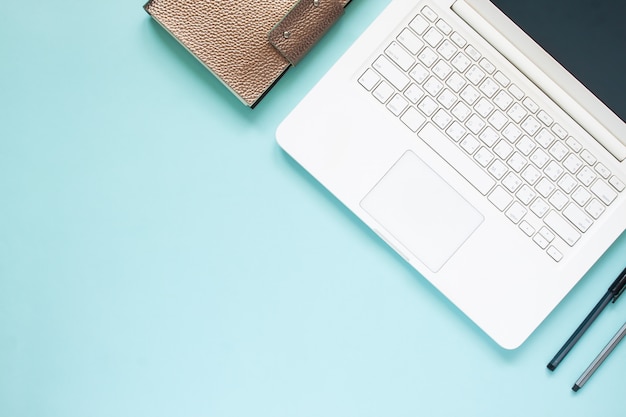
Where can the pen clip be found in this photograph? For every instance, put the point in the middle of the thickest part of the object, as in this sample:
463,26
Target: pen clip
619,285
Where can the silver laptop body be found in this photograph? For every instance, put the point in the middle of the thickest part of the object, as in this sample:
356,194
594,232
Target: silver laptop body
473,154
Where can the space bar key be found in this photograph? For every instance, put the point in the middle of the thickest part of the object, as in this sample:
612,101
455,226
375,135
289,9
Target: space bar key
456,158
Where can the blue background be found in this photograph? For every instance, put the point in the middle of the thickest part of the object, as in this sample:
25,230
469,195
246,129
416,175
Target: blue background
161,256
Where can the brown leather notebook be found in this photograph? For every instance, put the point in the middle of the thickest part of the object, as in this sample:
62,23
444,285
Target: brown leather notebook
247,44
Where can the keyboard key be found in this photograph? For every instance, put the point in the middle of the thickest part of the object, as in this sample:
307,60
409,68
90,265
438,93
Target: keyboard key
413,93
500,198
400,56
517,113
456,131
428,57
475,124
602,170
419,25
531,175
502,149
503,80
498,119
616,183
413,119
442,70
525,194
559,151
586,176
577,217
397,105
484,107
558,200
473,53
433,86
430,15
489,137
554,253
516,212
369,79
525,145
539,207
545,118
456,82
527,228
517,162
588,157
530,105
461,111
456,158
544,187
475,75
572,163
444,27
560,132
433,37
483,156
531,125
546,234
498,169
516,91
581,196
411,42
503,100
442,119
428,106
567,183
458,40
511,133
573,144
383,92
541,241
605,193
469,144
489,87
539,158
512,182
544,138
562,228
487,65
447,50
595,208
461,62
447,98
391,73
553,170
419,73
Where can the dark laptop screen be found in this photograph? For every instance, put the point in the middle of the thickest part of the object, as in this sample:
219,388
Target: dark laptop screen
588,37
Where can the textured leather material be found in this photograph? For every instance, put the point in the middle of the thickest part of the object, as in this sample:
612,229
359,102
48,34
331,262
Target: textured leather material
303,26
230,37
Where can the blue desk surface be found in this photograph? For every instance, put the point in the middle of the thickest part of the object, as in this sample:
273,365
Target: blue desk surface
161,256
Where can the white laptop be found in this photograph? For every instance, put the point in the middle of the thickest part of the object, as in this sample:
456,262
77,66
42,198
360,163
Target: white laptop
473,153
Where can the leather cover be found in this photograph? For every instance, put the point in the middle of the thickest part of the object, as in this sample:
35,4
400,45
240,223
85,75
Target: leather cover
232,37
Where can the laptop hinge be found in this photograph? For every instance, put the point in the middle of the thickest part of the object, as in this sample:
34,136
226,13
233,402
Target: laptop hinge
589,123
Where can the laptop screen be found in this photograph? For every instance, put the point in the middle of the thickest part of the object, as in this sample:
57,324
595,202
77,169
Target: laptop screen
586,37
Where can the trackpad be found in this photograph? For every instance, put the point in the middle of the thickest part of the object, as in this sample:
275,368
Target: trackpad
422,211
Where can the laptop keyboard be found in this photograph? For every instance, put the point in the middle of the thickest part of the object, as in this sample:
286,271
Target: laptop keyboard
512,151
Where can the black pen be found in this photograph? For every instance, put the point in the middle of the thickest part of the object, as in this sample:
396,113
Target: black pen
600,358
613,293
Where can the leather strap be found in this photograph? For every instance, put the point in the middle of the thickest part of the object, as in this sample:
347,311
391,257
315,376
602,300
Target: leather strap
303,26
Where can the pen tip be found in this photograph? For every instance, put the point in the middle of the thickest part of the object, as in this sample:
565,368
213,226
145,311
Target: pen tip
575,388
551,366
